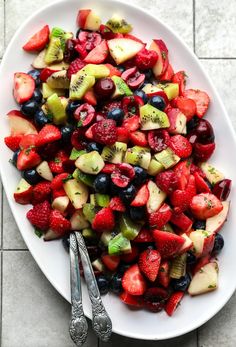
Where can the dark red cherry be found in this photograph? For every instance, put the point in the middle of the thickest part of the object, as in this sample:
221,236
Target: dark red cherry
203,152
85,114
104,88
122,175
158,139
222,189
89,39
78,139
203,133
133,78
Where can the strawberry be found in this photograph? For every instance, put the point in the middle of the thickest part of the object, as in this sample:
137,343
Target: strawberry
181,146
49,133
131,300
168,74
116,204
39,215
104,132
146,59
180,78
111,261
203,152
59,180
186,106
167,244
141,197
81,50
46,72
166,181
194,169
173,302
201,185
28,141
181,221
132,37
205,205
201,99
131,123
149,263
41,192
98,55
131,257
181,199
38,41
159,218
113,70
13,142
90,98
58,223
108,168
144,235
56,193
182,172
122,134
138,138
27,159
24,86
104,220
56,165
75,66
133,281
163,275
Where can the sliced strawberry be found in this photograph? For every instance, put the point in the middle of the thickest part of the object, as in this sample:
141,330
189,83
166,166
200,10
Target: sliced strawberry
133,281
201,99
98,55
28,159
186,106
132,256
159,218
180,78
111,261
182,171
164,274
49,133
59,180
59,226
57,164
116,204
203,152
108,168
173,302
168,244
13,142
113,70
181,146
201,185
181,221
168,74
132,300
47,72
205,205
144,236
122,134
38,41
24,86
149,263
141,197
131,123
166,181
104,220
181,199
90,97
28,141
138,138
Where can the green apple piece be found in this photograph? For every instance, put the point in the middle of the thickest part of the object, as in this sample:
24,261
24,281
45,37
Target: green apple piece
57,109
77,192
78,220
122,49
205,280
152,118
213,175
90,163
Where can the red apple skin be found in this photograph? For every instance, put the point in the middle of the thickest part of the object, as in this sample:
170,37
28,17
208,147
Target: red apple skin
173,114
82,17
201,262
25,197
164,52
208,245
163,61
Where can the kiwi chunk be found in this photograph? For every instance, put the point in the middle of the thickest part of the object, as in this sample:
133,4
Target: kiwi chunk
90,163
75,154
119,244
54,51
58,80
118,25
89,211
171,89
89,234
178,266
115,153
57,109
106,237
48,91
167,158
98,265
128,228
152,118
154,167
138,156
101,200
97,71
62,35
121,88
79,85
84,178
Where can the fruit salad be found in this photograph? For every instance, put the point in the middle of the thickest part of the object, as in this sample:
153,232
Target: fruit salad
109,140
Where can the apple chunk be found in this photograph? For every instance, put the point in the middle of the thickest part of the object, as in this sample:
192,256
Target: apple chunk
60,203
177,121
203,242
156,197
205,280
88,20
215,223
162,61
188,244
44,171
77,192
23,192
19,125
122,49
78,221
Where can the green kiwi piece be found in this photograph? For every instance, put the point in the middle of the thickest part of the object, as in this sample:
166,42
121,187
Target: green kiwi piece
48,91
118,25
122,88
167,158
75,154
128,228
138,156
83,177
178,266
54,52
79,85
58,80
154,167
97,71
57,109
119,244
89,211
115,153
152,118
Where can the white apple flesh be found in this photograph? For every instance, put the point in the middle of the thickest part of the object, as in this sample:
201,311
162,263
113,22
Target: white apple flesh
215,223
78,221
77,192
203,242
60,203
122,49
156,197
205,280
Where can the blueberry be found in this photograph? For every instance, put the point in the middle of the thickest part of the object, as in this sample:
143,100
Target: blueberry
66,242
191,259
41,119
71,107
142,95
128,194
182,283
218,244
37,95
192,123
35,74
117,114
148,75
116,283
114,189
103,284
29,108
158,102
101,183
15,157
66,132
31,176
140,175
199,224
93,146
137,213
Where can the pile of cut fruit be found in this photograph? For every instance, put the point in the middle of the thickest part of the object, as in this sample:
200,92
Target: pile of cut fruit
109,141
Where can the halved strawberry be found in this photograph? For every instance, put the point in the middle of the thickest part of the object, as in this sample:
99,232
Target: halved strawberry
182,171
98,55
28,141
113,70
138,138
201,185
205,205
186,106
133,281
49,133
111,261
168,244
38,41
141,197
201,99
28,159
173,302
122,134
132,256
116,204
13,142
181,221
159,218
144,235
164,274
104,220
149,263
166,181
181,146
168,74
180,78
131,123
132,300
24,86
181,199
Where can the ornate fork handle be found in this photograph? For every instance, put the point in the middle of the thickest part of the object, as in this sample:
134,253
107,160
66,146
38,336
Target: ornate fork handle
101,321
78,325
